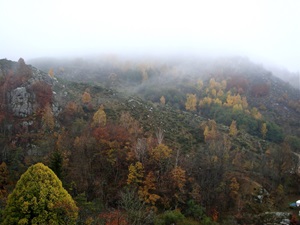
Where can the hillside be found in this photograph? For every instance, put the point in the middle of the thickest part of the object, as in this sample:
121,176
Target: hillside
216,138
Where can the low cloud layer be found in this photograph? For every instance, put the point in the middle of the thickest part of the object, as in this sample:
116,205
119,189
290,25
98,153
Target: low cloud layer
264,30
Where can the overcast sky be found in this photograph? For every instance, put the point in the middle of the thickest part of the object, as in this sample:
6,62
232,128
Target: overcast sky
265,29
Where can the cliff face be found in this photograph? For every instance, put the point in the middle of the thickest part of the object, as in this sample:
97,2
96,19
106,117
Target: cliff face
20,102
24,88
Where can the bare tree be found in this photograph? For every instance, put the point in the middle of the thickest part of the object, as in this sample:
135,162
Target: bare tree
140,149
159,135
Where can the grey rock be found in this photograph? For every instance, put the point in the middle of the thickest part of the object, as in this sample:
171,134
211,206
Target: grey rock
21,102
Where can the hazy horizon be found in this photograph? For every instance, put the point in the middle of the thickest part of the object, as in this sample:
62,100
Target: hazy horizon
265,31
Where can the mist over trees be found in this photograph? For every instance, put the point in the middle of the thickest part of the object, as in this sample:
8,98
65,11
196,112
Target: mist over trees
154,140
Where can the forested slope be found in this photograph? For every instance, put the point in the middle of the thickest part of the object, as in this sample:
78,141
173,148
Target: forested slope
208,140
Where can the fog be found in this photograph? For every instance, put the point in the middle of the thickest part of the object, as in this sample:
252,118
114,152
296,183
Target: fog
267,31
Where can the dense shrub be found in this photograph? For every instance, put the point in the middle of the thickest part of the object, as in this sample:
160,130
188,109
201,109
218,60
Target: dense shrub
39,198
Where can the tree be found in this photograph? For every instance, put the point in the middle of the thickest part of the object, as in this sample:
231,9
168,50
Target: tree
232,129
161,152
56,163
264,130
200,84
255,113
51,73
48,118
39,198
135,209
4,182
86,98
136,173
210,130
234,187
145,191
162,100
99,117
178,176
191,102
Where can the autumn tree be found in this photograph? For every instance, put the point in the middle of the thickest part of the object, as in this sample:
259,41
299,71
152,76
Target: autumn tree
199,84
206,101
130,124
99,118
233,129
234,187
178,176
210,130
136,173
51,73
146,190
48,118
191,102
86,98
161,152
255,113
264,130
162,100
39,198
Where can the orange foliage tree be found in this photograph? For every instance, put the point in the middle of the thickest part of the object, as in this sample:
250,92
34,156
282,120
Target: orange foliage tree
146,190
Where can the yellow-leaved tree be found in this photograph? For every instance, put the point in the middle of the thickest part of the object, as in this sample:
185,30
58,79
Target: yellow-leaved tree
161,152
86,98
178,177
191,102
210,130
233,129
135,173
162,100
99,118
264,130
39,198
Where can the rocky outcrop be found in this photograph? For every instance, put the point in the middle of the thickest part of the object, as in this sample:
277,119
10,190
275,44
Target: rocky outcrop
21,102
274,218
21,98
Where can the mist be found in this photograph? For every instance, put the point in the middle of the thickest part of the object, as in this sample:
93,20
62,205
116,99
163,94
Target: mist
265,31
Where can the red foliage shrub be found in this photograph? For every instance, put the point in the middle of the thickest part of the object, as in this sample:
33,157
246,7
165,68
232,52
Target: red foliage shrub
112,133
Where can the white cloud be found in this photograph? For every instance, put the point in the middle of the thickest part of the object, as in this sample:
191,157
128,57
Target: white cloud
265,28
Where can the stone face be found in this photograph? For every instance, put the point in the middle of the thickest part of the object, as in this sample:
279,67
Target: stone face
21,102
